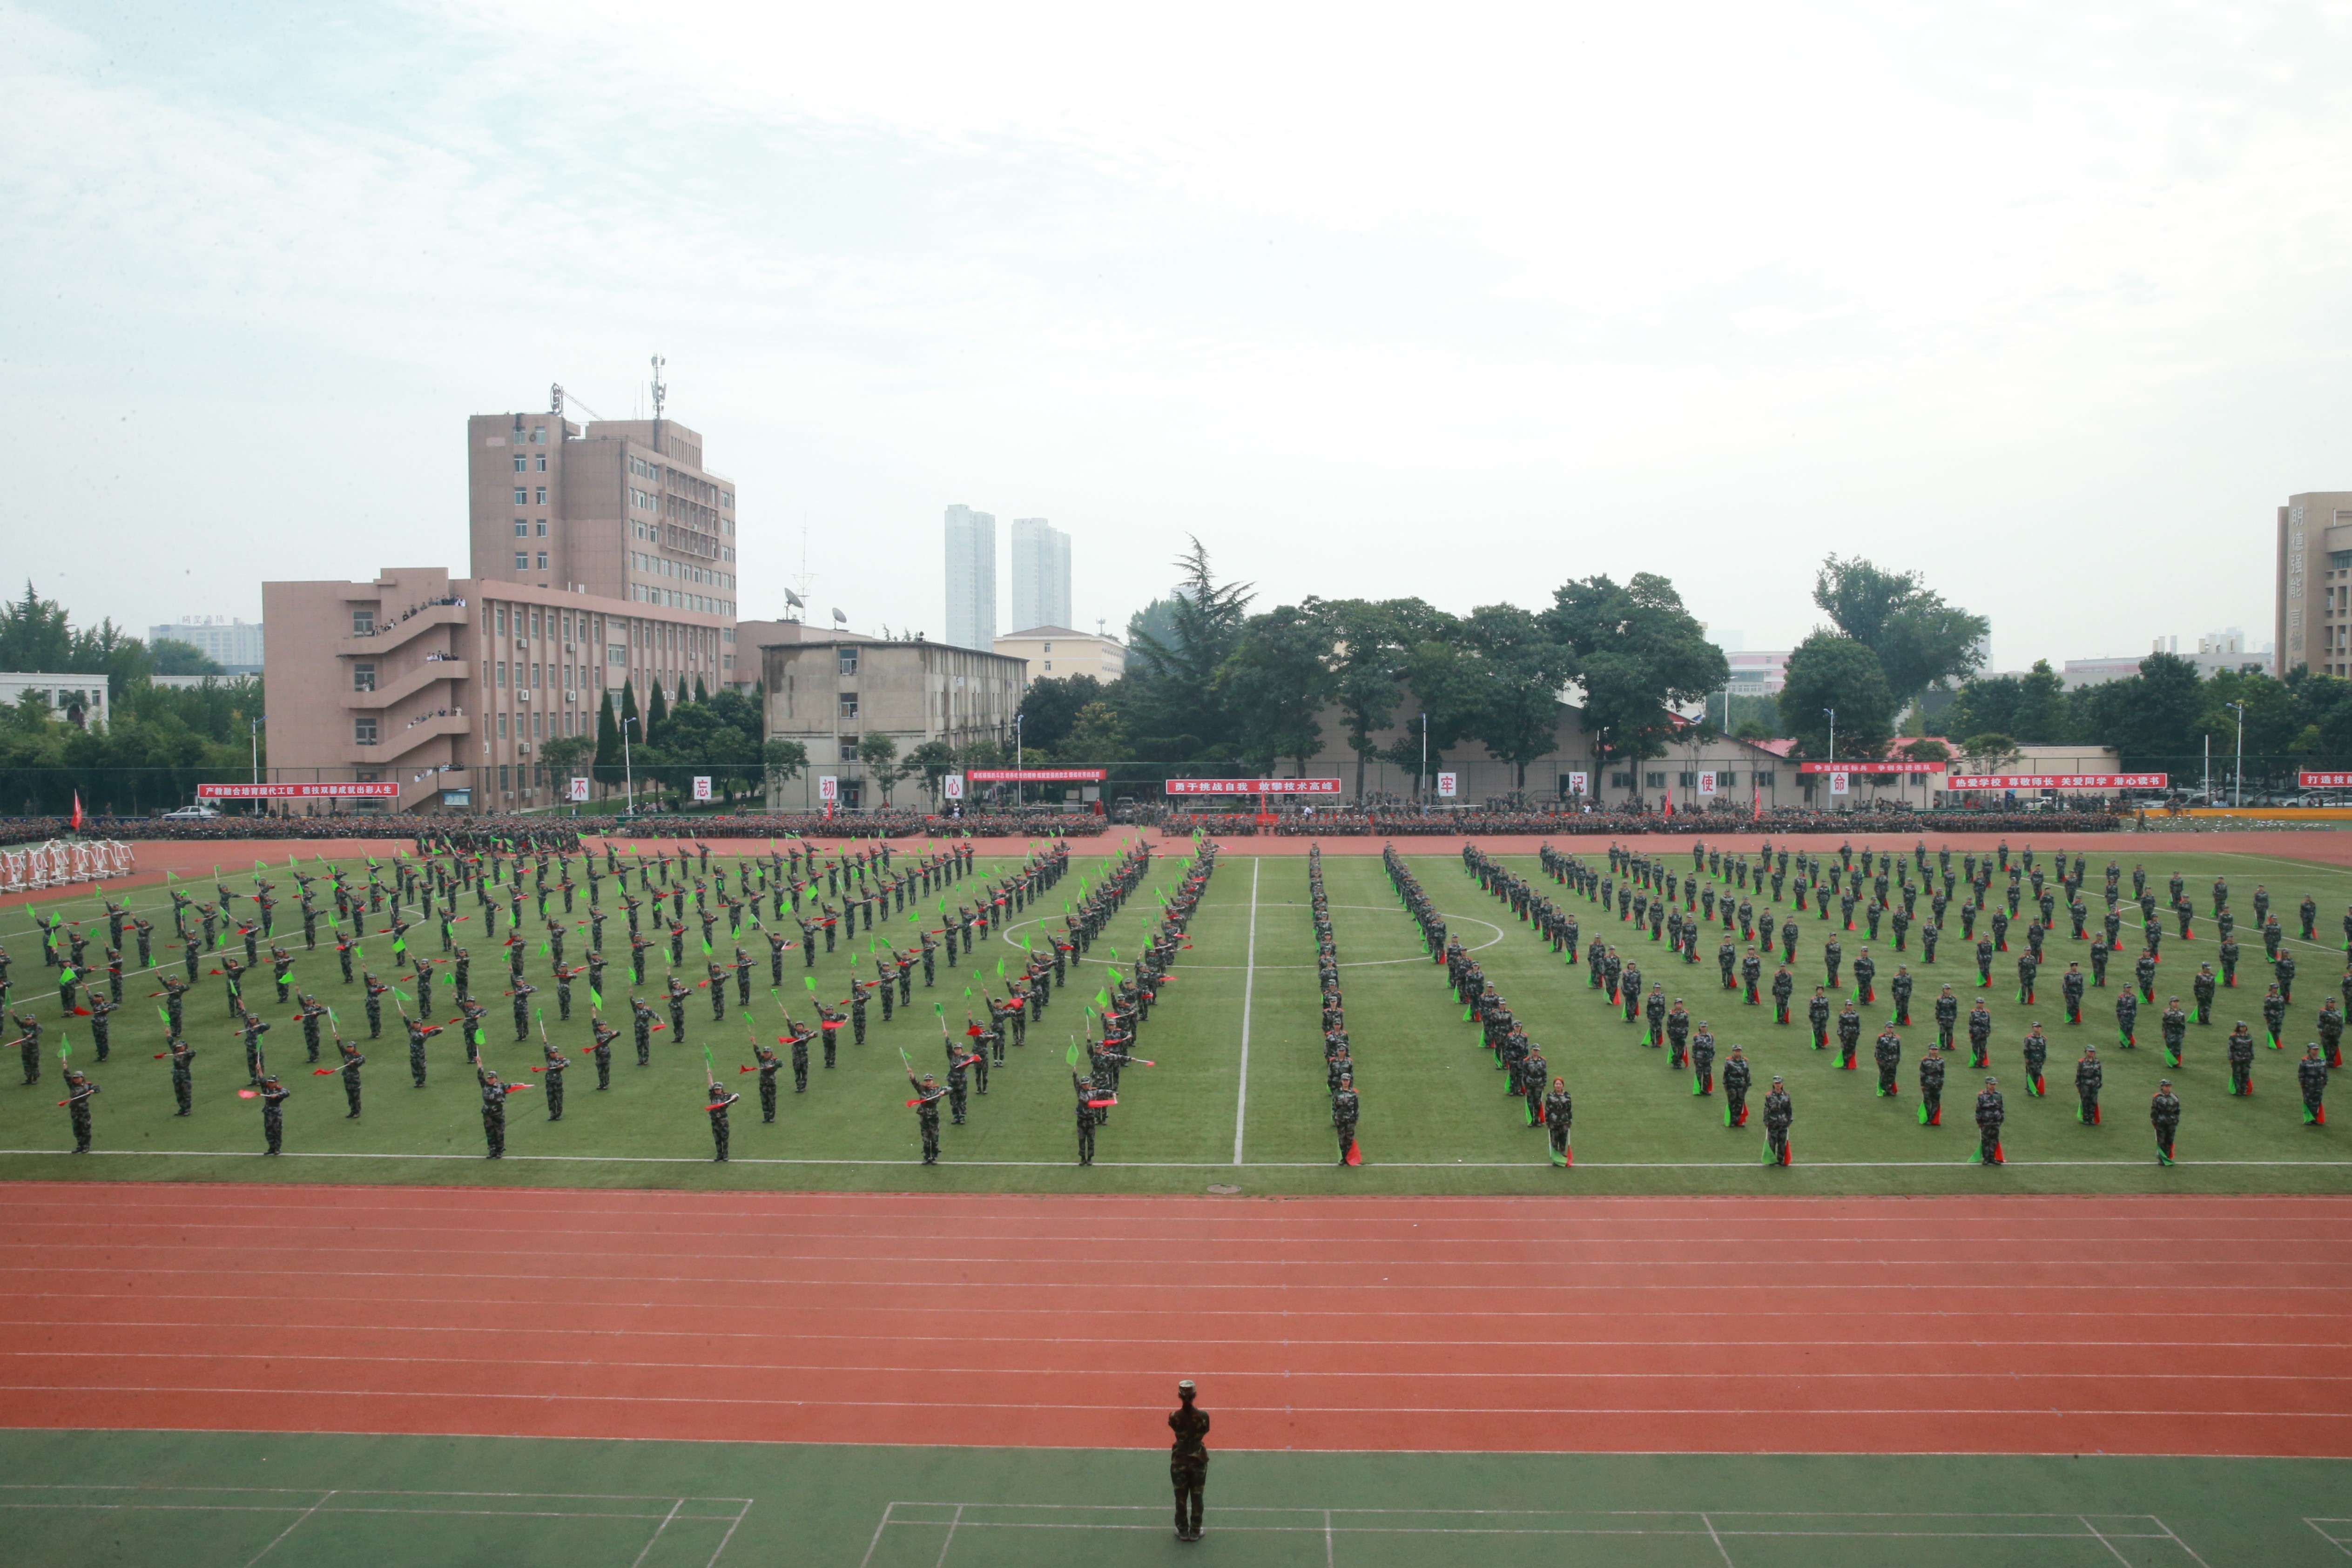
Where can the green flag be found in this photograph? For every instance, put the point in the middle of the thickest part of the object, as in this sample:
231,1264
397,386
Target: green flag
1072,1057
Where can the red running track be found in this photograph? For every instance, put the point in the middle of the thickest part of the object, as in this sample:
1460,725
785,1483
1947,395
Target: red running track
2061,1325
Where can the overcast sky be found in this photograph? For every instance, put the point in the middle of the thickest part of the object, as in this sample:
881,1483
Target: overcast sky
2052,303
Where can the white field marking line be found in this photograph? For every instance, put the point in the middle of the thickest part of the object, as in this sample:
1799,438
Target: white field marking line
1352,964
676,1504
251,1508
826,1368
2320,1525
1954,1166
733,1525
1714,1413
1330,1548
2177,1541
950,1541
1189,1342
1714,1536
295,1524
875,1544
2111,1546
1249,986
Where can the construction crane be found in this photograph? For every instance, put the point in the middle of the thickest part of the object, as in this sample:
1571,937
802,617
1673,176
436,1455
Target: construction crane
555,403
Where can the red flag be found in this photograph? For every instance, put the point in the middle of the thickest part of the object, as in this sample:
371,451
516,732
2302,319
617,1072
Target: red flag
1670,806
1355,1154
76,811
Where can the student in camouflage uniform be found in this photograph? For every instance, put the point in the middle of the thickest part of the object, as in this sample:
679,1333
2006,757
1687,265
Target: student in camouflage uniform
79,1089
1737,1077
719,1099
2090,1076
1187,1460
926,1105
1990,1115
2311,1076
1780,1116
2241,1061
2164,1115
274,1096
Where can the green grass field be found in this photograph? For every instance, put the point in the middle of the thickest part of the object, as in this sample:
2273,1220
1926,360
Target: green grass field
235,1500
1435,1119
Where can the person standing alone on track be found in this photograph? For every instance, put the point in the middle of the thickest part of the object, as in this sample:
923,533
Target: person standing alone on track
1187,1460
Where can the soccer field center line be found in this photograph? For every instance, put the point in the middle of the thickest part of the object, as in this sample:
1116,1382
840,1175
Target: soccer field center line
1283,1373
1772,1412
1249,987
1951,1164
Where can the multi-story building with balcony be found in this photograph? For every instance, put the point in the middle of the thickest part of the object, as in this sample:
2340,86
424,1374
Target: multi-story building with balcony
831,696
601,556
451,687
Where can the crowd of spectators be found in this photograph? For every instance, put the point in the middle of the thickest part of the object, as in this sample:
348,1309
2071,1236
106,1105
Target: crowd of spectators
1347,823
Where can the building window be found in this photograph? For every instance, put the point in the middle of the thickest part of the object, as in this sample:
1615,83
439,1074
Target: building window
543,560
363,622
502,727
848,748
617,654
849,705
539,435
522,529
522,496
848,660
522,560
519,462
502,671
1763,779
1049,666
1686,780
534,674
363,730
362,677
1621,781
543,496
1655,781
542,528
1727,778
543,464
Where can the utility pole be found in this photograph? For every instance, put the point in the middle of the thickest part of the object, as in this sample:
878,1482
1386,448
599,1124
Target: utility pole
1018,794
628,770
2240,788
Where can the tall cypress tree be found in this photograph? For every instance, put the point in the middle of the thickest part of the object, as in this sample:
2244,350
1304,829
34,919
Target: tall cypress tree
656,712
700,694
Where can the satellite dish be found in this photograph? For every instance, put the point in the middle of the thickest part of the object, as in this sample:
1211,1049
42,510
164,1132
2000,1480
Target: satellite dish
837,615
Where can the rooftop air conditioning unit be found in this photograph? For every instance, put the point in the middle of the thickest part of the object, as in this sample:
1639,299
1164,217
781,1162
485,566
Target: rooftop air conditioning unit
522,642
522,694
572,696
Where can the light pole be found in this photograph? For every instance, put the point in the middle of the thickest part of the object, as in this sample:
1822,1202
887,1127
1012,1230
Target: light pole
2240,799
628,770
253,734
1420,779
1019,799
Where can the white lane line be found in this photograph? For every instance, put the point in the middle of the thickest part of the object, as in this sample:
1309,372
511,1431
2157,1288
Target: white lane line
1249,984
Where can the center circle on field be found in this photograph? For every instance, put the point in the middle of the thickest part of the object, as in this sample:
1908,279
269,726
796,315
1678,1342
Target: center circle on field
1006,936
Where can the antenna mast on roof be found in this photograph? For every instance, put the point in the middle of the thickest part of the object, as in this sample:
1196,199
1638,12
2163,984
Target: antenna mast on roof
660,392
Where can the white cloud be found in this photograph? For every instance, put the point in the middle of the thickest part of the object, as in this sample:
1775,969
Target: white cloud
1376,300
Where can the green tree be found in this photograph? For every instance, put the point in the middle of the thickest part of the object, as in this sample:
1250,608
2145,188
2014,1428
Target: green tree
608,742
2041,715
1637,651
1522,669
931,762
2151,719
170,656
880,755
1989,752
1986,706
1051,705
1277,681
1832,672
1156,620
1369,646
780,762
1098,739
1174,678
1918,638
563,757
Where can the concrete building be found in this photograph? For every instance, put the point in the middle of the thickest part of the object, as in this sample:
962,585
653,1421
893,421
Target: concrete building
2215,652
1041,573
235,645
830,695
450,686
621,509
972,578
1760,674
76,699
2313,620
1061,653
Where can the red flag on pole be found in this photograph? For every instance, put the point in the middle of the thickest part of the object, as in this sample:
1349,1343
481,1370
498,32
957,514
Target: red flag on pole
1670,806
76,811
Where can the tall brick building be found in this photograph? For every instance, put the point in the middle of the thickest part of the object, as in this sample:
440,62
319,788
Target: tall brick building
600,555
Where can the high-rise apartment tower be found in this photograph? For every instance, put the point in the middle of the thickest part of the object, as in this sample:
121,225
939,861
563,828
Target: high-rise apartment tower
972,579
1041,574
